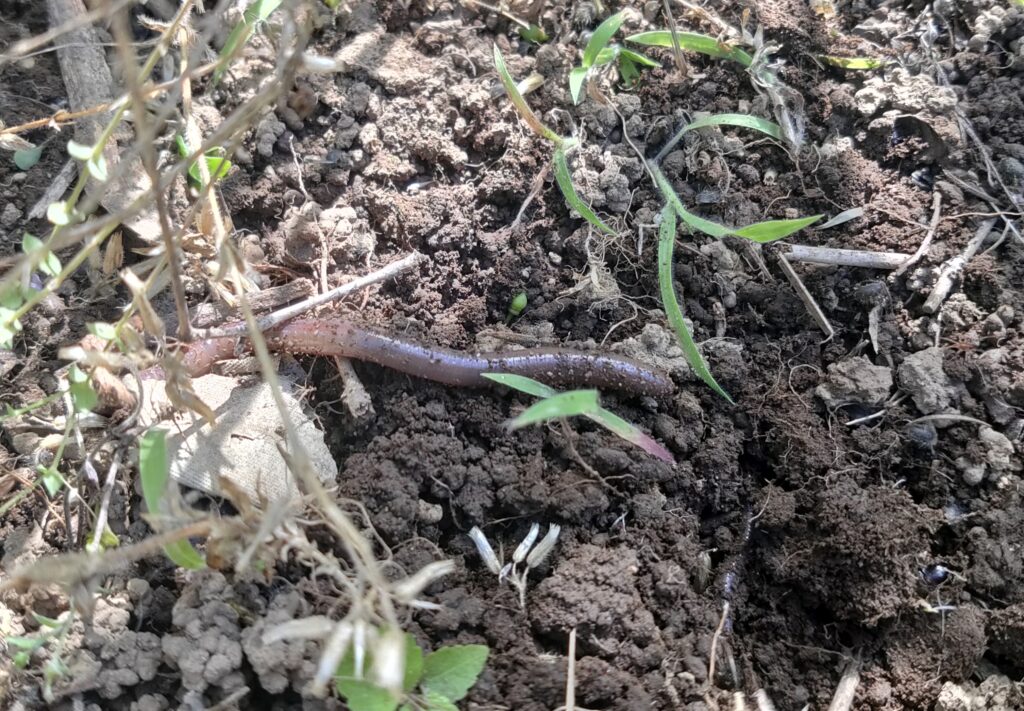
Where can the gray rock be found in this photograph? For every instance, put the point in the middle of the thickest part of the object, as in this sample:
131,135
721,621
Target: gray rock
855,380
922,376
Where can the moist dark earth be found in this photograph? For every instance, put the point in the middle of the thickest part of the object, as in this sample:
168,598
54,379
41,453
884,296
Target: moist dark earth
893,546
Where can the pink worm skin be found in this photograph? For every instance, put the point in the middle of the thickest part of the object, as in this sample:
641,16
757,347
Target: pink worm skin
332,336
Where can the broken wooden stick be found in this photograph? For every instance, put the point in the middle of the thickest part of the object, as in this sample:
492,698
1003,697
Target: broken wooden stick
846,257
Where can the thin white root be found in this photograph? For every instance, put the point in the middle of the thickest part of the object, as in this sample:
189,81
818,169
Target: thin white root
842,700
847,257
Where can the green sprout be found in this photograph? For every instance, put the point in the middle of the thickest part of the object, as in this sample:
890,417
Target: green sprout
516,307
431,682
154,471
557,405
694,42
52,635
217,165
597,53
258,12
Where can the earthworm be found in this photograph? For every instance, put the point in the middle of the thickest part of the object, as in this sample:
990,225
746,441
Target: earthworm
334,336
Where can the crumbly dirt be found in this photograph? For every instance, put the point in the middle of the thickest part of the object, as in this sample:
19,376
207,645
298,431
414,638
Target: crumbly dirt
893,543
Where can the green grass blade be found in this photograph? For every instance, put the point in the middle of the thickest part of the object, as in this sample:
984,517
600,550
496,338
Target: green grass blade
520,103
632,434
154,471
666,244
577,78
522,384
855,62
771,230
564,180
761,232
567,404
694,42
601,37
765,126
641,59
257,11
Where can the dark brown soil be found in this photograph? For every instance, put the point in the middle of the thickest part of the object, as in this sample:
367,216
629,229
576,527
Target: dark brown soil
822,538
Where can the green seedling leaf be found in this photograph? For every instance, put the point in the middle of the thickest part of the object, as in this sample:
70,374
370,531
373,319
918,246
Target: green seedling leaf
845,216
47,621
517,306
258,11
362,695
108,539
577,78
51,478
21,659
452,671
25,158
637,58
520,103
106,331
765,126
855,62
79,152
666,244
628,71
761,232
154,472
8,327
217,165
437,702
567,404
413,664
632,434
564,180
522,384
534,33
83,396
29,643
601,37
97,168
48,264
59,213
694,42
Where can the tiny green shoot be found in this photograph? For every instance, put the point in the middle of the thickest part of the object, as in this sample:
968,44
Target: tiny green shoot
564,180
693,42
257,12
25,158
666,244
431,682
217,165
598,53
556,405
519,102
516,306
154,471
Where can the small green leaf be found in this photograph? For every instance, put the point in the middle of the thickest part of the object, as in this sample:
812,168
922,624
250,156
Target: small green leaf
577,78
217,165
83,396
106,331
29,643
59,213
437,702
154,473
855,62
52,479
607,55
628,71
25,158
601,37
413,664
772,230
362,695
638,58
765,126
49,264
564,180
258,11
666,244
567,404
522,384
108,539
534,33
47,621
520,103
79,152
97,168
21,659
632,434
452,671
694,42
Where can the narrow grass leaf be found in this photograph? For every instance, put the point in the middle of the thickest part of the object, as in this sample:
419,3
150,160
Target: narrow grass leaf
757,123
564,180
641,59
761,232
568,404
855,62
520,103
632,434
533,33
522,384
601,37
666,244
694,42
258,11
452,671
577,78
154,471
845,216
